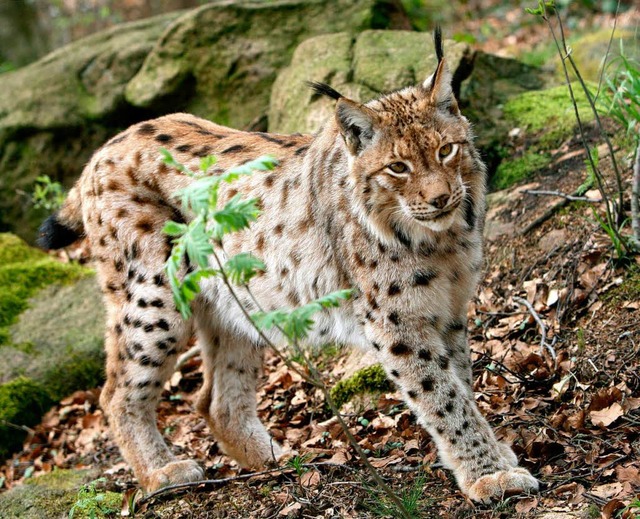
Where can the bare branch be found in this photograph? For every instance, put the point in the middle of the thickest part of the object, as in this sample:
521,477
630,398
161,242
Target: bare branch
543,330
571,198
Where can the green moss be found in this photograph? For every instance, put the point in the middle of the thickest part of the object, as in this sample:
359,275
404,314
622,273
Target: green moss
628,290
81,369
44,497
59,479
511,171
367,380
23,271
92,503
22,403
548,115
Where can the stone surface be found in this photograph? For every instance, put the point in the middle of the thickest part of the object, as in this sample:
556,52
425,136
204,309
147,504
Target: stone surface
218,61
51,335
60,339
55,112
46,497
359,67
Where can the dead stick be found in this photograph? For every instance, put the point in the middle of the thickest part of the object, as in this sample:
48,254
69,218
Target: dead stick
543,329
635,198
571,198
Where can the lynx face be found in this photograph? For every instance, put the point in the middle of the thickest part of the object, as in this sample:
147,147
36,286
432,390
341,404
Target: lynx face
411,162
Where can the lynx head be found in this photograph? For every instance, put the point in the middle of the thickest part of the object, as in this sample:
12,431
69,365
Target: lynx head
411,158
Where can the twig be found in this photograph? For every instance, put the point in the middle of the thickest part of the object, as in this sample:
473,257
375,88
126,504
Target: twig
544,217
237,477
571,198
606,54
207,482
635,198
187,355
543,330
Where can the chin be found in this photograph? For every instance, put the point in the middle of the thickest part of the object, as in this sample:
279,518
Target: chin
439,225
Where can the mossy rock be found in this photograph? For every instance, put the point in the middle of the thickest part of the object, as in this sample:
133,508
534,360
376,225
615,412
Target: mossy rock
22,403
48,497
371,379
23,272
51,335
360,67
589,49
218,61
55,112
548,116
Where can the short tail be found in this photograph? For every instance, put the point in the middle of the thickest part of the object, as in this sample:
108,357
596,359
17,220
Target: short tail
63,227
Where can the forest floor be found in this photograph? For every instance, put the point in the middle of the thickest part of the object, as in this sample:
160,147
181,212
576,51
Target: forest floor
571,408
574,421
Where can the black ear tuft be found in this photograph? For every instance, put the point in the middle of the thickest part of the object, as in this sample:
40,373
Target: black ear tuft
324,90
53,234
437,41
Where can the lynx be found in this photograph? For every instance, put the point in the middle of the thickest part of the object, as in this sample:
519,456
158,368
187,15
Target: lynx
387,198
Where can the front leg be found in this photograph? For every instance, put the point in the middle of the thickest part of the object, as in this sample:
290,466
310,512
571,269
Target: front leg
416,359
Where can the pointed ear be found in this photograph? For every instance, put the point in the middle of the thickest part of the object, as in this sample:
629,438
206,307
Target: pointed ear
438,85
357,124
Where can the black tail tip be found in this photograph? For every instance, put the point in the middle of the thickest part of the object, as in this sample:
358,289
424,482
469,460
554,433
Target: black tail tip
437,41
324,89
55,235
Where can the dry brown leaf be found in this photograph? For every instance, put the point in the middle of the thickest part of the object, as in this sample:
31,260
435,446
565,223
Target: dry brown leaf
310,478
608,490
606,416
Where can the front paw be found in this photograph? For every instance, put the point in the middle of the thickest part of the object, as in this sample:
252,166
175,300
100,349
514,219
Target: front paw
501,484
174,472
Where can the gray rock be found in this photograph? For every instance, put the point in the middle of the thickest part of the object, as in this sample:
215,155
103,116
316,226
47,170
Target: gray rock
218,61
359,67
60,339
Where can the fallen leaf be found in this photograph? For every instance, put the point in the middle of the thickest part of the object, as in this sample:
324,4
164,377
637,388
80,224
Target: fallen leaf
606,416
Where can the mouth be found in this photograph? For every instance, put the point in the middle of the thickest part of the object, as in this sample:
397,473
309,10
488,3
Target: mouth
440,216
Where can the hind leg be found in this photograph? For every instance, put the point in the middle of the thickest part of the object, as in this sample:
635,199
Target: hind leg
146,334
228,397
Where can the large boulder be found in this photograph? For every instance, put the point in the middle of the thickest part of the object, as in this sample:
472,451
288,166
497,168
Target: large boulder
55,112
360,67
51,335
218,61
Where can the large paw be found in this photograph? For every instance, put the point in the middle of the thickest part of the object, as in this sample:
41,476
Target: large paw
174,472
502,483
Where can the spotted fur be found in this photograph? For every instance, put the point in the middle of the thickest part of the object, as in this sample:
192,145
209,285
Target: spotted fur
387,198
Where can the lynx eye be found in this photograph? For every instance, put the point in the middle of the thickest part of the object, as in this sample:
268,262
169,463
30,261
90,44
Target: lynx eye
398,167
445,150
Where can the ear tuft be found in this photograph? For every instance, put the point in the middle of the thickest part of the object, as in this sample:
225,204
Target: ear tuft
438,85
437,42
324,90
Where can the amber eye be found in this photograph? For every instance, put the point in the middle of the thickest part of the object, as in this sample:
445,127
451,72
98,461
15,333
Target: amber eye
445,150
398,167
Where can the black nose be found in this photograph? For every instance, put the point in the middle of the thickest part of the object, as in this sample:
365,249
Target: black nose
440,201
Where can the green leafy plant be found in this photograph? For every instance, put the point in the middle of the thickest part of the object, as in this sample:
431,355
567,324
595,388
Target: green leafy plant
615,217
297,463
47,194
412,500
93,504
